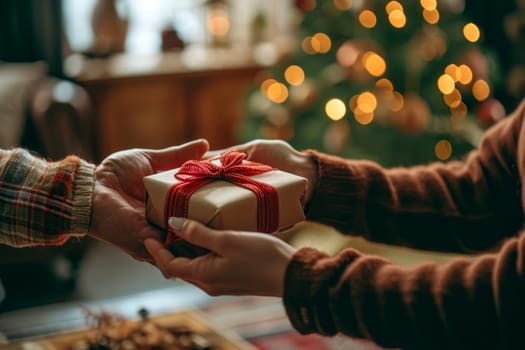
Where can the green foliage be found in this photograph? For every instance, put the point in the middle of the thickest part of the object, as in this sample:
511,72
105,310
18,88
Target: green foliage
416,55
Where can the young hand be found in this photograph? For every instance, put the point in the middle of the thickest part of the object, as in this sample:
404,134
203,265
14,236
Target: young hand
118,211
280,155
239,263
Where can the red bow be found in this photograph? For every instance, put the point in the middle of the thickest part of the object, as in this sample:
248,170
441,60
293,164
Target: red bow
195,174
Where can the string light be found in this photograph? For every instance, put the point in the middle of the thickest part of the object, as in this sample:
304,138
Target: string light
471,32
465,74
321,43
453,71
265,84
374,63
294,75
397,18
431,16
219,22
393,5
277,92
428,5
480,90
446,84
362,117
367,19
335,109
398,102
384,84
367,102
443,149
453,99
307,46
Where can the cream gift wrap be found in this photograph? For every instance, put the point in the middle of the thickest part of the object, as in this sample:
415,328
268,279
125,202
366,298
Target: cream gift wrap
221,204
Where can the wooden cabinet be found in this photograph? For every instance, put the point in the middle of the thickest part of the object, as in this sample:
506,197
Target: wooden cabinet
157,109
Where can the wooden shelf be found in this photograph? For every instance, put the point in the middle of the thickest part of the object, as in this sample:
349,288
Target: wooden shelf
167,99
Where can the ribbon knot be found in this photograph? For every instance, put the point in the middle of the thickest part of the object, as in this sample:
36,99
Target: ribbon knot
195,174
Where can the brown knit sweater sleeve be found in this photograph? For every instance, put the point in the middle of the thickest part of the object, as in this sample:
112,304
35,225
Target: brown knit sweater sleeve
474,303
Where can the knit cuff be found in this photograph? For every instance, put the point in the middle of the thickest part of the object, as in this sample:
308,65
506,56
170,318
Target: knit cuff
82,198
337,193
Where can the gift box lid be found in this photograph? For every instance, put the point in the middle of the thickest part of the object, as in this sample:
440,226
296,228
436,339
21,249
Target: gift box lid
223,205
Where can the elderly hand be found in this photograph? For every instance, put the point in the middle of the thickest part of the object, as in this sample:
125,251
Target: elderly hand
118,210
239,263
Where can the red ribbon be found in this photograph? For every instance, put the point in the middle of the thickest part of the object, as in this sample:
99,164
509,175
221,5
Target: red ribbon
194,174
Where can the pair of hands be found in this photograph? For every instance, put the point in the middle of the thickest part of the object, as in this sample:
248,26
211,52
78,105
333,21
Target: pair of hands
239,262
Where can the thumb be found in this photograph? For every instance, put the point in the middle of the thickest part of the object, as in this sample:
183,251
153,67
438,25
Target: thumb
198,234
174,156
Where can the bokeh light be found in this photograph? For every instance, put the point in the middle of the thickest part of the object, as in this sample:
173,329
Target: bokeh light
374,63
294,75
446,84
367,102
428,5
219,22
321,43
397,18
431,16
335,109
367,19
393,5
480,90
443,149
471,32
277,92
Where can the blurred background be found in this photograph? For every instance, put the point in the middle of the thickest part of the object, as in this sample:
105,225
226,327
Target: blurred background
397,82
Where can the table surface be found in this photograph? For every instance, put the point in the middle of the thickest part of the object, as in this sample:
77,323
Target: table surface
260,320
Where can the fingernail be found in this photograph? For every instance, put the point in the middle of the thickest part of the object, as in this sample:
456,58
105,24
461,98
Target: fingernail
176,223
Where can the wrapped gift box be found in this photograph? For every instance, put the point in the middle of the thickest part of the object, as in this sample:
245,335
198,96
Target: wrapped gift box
223,205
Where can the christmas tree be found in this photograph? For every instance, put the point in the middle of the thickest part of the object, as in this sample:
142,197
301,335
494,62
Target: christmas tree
399,83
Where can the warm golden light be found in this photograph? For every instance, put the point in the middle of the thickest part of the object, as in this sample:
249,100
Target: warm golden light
321,43
277,92
353,102
443,149
465,74
294,75
431,16
446,84
362,117
453,71
481,90
460,111
397,102
307,46
367,102
428,5
266,84
384,84
342,5
347,54
374,63
218,22
367,19
453,99
335,109
397,18
471,32
393,5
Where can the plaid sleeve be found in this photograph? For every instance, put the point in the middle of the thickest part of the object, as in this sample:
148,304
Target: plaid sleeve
43,203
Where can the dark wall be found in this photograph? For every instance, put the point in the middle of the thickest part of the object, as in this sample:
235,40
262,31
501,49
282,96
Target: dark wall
31,30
